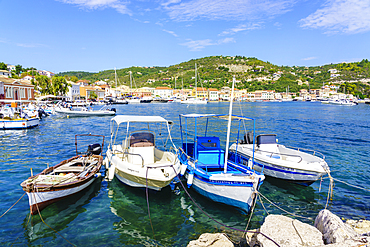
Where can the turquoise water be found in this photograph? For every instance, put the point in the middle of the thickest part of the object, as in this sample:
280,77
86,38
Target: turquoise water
112,214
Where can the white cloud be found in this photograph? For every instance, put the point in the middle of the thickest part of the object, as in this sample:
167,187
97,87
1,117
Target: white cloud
226,10
118,5
226,40
30,45
170,32
309,58
197,45
346,16
239,28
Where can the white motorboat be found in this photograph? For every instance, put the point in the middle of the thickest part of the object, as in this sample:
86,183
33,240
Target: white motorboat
64,179
133,155
344,102
85,112
296,165
14,118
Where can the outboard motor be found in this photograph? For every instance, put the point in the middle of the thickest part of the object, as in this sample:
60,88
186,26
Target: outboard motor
41,113
113,109
94,149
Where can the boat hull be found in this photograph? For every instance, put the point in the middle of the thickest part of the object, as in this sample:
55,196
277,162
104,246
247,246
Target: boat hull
85,113
47,187
272,167
19,124
40,200
154,176
236,194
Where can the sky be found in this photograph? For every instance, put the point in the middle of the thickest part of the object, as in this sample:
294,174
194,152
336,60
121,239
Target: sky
96,35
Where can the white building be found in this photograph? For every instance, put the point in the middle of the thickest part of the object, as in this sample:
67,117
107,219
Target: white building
163,92
73,92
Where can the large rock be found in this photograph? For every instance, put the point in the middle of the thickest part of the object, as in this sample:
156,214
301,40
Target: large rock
333,228
213,240
288,232
360,226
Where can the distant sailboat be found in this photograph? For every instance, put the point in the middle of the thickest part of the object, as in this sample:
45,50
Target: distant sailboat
195,99
132,100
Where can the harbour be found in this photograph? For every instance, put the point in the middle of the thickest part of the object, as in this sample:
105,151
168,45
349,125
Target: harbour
113,214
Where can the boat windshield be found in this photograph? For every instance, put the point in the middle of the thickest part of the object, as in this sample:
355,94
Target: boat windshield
142,139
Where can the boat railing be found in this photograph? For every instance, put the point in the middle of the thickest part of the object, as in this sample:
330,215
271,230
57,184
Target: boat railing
273,153
127,153
306,150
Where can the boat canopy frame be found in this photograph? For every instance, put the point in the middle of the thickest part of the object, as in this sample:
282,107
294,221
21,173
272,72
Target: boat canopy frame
207,117
129,119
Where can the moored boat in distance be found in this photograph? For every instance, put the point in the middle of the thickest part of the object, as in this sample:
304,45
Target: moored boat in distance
64,179
298,165
12,117
85,112
134,157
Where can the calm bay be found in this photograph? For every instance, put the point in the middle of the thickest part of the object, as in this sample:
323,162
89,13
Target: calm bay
112,214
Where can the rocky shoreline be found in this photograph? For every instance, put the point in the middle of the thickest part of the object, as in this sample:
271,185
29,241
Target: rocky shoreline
277,230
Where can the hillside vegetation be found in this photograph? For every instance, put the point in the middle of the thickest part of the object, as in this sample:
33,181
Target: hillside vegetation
251,74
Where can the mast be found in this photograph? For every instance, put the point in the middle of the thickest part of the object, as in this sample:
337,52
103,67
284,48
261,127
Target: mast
196,89
229,124
115,77
130,83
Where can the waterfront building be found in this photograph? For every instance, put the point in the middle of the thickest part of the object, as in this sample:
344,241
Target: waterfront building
213,94
200,92
73,91
86,92
163,92
19,90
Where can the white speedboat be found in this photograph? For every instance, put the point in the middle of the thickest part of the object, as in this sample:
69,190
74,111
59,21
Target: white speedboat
344,102
136,160
85,112
64,179
297,165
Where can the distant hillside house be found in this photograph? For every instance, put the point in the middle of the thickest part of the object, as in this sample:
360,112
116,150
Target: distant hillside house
28,78
333,71
10,67
19,90
5,73
45,72
83,82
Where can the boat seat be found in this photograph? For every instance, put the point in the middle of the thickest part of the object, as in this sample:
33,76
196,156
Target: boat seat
209,151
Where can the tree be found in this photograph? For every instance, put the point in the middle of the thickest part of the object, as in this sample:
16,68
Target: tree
3,66
18,69
74,78
42,84
59,85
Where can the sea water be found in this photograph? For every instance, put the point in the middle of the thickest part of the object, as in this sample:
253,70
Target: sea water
113,214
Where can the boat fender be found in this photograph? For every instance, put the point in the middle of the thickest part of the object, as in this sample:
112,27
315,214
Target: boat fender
97,175
111,172
183,169
190,178
250,163
106,163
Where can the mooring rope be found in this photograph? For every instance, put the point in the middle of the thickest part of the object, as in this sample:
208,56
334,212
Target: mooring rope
38,210
12,205
210,217
283,209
